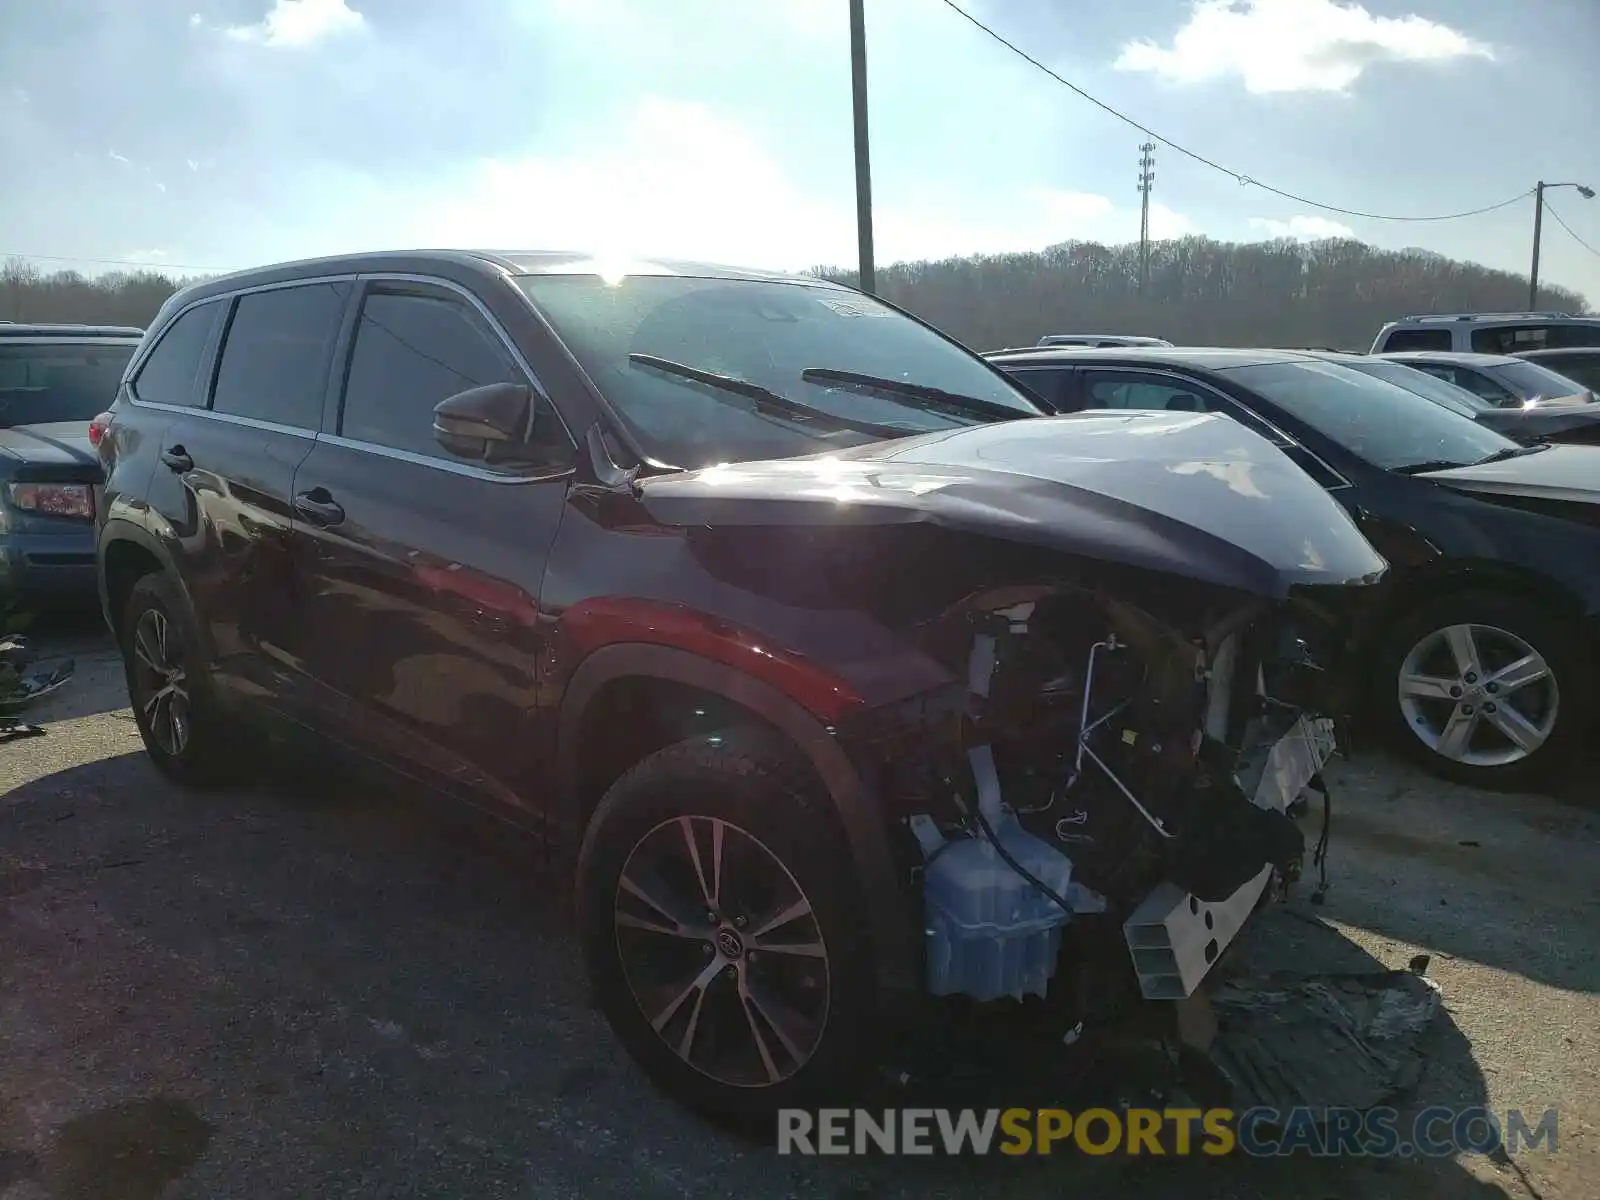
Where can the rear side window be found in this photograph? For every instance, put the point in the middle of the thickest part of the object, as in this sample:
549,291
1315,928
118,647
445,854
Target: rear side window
1568,336
1416,339
168,374
412,350
1510,339
276,354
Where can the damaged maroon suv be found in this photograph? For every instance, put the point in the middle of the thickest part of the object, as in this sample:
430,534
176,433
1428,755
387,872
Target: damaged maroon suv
838,676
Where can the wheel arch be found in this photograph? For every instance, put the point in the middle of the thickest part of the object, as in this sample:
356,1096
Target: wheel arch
1457,576
653,666
126,552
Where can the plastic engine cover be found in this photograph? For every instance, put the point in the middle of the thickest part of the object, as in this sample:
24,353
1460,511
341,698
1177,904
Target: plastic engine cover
990,932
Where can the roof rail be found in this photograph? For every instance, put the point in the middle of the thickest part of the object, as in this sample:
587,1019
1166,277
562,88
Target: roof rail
1490,316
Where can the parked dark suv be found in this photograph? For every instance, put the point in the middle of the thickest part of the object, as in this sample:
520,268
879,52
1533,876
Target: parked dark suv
795,628
53,380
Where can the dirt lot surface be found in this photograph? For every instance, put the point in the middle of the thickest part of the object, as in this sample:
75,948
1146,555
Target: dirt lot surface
326,992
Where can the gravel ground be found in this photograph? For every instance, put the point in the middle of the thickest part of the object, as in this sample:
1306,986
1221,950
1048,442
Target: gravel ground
320,991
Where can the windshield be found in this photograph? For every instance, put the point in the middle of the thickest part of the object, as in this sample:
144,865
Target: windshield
1533,382
70,381
768,334
1440,391
1386,425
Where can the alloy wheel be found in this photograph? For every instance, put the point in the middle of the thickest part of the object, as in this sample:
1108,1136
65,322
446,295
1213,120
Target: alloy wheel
1478,695
722,951
160,681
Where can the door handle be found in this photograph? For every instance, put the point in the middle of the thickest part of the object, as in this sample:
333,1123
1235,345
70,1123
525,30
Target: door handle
178,459
318,507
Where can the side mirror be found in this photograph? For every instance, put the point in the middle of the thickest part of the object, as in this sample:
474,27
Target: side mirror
489,423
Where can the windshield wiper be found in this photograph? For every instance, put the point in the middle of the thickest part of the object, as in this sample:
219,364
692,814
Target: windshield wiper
1511,452
1433,464
764,399
950,404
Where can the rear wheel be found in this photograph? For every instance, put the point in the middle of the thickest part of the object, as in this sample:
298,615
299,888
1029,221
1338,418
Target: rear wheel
722,932
169,688
1485,689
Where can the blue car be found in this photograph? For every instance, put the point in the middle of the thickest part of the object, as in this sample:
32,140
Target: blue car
54,380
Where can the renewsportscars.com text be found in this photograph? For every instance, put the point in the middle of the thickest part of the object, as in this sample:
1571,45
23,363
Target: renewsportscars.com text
1256,1132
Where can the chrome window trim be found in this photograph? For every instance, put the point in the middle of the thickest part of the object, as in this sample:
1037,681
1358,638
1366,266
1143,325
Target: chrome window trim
152,336
1228,402
441,464
334,439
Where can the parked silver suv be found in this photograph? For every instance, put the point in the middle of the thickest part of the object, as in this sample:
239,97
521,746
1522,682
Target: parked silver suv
1487,333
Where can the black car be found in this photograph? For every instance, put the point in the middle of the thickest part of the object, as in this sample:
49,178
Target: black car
782,618
1501,379
1482,656
1528,423
54,379
1581,364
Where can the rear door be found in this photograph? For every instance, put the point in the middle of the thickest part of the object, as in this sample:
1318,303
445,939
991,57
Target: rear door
423,571
220,491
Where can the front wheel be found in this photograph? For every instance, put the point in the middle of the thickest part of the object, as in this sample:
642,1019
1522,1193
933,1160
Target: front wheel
722,930
1485,689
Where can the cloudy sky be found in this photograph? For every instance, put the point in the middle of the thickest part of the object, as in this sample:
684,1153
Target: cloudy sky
221,133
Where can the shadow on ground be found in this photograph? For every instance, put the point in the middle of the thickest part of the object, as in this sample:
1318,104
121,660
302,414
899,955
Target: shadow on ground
333,989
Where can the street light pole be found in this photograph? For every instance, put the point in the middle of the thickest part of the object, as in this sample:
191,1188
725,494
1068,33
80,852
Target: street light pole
858,82
1538,227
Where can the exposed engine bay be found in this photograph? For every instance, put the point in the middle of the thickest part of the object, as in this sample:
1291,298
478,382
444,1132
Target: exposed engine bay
1102,765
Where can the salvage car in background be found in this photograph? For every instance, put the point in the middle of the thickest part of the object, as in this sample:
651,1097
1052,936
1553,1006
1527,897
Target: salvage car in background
53,380
1502,380
1579,423
804,631
1482,657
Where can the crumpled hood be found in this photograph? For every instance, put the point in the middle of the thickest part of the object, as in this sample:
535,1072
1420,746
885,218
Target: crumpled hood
1196,495
59,443
1558,473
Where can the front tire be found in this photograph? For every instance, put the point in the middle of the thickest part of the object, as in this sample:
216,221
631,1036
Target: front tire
1485,689
170,690
723,933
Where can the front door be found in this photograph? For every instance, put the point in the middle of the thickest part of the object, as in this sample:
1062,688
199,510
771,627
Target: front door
422,572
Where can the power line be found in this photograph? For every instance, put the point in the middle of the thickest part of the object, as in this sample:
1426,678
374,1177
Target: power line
1570,232
1243,179
118,262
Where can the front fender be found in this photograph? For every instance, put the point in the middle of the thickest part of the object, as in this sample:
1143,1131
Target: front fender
888,911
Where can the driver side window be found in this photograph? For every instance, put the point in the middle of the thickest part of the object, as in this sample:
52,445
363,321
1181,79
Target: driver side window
414,349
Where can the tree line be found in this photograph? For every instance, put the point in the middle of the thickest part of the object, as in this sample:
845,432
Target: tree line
1333,293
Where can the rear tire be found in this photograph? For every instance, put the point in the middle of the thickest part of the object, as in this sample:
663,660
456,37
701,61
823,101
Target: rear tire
757,993
1486,689
170,689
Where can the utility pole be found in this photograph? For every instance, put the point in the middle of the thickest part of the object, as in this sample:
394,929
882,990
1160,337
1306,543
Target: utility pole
1538,226
1147,178
858,84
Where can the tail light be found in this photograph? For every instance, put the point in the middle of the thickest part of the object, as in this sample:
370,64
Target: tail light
98,428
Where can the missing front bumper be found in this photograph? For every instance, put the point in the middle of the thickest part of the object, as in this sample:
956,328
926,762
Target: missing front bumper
1174,937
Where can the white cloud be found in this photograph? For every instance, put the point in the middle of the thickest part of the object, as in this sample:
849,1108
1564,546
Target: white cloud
680,179
1302,228
297,23
1293,45
115,157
